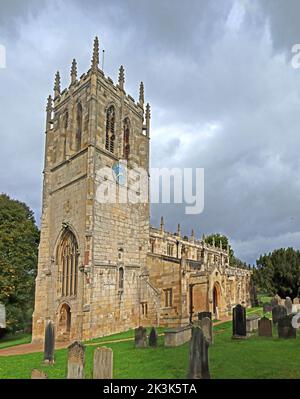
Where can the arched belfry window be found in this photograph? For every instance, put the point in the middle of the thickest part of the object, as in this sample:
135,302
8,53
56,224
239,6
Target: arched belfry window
68,263
110,129
79,126
121,278
126,136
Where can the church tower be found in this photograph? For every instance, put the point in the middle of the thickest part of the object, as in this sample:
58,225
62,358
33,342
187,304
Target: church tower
92,253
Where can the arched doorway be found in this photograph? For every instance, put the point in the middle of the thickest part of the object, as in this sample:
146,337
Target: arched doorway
64,322
216,300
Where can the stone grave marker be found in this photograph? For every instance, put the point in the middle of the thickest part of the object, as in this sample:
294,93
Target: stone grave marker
103,364
76,360
2,316
288,304
265,327
38,375
252,323
295,308
296,301
198,360
49,343
296,319
285,328
278,312
239,322
275,301
153,338
140,337
201,315
206,325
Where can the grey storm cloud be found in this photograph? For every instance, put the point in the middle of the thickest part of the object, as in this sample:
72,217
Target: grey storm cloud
223,94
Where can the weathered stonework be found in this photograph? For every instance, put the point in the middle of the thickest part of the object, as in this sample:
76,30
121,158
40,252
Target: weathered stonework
102,269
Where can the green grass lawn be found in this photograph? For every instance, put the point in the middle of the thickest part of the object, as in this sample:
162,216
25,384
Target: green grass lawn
256,357
264,298
14,340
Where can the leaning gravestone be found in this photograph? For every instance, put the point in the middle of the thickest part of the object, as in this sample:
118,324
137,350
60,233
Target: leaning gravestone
103,364
278,312
49,343
288,304
239,322
201,315
206,325
198,361
38,375
296,301
264,327
76,360
285,328
140,337
153,338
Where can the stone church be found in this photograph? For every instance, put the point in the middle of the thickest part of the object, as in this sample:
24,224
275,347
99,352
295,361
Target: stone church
102,268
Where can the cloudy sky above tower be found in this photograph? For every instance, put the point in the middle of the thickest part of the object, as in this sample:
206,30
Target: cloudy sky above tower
223,92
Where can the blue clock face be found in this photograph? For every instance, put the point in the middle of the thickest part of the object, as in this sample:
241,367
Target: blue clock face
119,173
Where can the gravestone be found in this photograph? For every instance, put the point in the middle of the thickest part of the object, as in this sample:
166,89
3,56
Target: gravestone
275,301
38,375
296,319
140,337
201,315
153,338
288,304
239,322
296,301
49,343
206,325
295,308
178,336
103,364
198,361
2,316
252,323
278,312
285,328
265,327
76,360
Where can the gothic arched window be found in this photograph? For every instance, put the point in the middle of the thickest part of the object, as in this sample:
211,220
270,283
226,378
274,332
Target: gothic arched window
110,129
126,135
79,127
121,278
68,263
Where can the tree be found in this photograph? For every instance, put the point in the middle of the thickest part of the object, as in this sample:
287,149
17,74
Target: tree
19,238
279,272
220,238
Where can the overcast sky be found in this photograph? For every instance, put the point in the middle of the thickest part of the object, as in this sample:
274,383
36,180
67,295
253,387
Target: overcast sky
223,93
